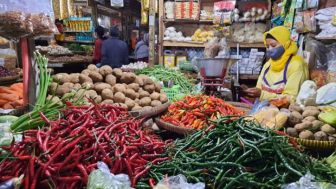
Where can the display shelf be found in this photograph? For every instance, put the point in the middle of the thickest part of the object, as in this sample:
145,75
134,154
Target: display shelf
73,41
77,31
188,21
248,45
248,77
182,44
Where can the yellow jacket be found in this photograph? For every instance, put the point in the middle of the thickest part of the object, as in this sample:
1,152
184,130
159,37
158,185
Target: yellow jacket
297,73
273,71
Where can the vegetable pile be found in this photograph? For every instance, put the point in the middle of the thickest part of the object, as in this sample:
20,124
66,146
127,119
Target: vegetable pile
163,74
139,65
111,86
5,73
65,152
195,111
238,154
11,97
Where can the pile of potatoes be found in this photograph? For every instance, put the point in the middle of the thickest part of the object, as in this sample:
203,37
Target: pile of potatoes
304,124
110,86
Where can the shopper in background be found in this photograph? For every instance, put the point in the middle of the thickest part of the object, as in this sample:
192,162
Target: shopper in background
134,40
141,49
284,72
114,51
97,53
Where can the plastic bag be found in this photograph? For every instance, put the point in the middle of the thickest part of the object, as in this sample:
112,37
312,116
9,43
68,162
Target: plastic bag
307,94
326,94
19,18
102,178
6,136
257,106
306,182
178,182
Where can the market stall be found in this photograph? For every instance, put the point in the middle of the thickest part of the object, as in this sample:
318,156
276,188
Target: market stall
144,126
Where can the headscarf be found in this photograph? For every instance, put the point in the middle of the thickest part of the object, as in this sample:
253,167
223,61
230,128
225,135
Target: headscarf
146,38
282,35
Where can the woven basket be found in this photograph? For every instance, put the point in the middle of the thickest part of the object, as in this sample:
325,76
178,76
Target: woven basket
151,112
9,78
316,145
173,128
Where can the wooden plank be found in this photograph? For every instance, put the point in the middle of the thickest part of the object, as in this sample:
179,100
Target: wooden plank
151,23
188,21
182,44
161,31
248,77
248,45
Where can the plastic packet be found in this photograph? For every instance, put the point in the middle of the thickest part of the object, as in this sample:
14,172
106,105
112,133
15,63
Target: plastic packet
326,94
307,94
178,182
306,182
257,106
14,183
102,178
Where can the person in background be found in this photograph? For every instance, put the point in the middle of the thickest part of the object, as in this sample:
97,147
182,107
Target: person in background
97,53
134,40
141,49
114,50
284,72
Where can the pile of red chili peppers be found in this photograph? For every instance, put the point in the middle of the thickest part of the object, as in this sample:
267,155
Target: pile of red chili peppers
64,153
194,111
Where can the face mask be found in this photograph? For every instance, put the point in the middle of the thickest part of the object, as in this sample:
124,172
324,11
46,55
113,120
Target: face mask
275,53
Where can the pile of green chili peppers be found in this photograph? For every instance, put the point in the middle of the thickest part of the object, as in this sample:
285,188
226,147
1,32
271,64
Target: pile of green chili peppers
238,154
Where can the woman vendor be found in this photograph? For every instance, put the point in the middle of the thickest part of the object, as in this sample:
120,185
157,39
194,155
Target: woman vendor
284,72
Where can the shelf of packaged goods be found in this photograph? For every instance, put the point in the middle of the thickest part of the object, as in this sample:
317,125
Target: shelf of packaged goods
248,77
188,21
77,31
182,44
73,41
248,45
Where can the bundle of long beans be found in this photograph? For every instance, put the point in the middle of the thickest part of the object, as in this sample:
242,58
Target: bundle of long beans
42,63
163,74
238,154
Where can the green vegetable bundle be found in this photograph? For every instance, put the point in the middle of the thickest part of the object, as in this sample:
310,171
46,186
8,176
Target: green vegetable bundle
164,74
238,154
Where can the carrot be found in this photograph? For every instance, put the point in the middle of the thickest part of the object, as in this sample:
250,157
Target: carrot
8,106
11,91
17,87
3,102
9,97
17,103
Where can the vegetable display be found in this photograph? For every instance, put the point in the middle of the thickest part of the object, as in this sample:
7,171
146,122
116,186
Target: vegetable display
64,153
139,65
5,72
111,86
11,97
238,154
163,74
195,111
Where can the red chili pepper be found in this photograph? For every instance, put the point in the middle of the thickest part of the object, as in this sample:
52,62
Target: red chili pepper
151,182
83,172
137,176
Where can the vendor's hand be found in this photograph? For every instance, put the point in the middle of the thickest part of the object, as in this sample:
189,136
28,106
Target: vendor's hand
253,92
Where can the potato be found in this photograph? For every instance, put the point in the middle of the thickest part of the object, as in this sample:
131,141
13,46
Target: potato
105,70
307,113
55,99
309,119
136,107
121,105
61,78
107,94
110,79
107,101
147,108
52,87
84,79
295,107
294,118
86,72
321,136
117,72
149,88
134,86
139,80
62,89
158,87
137,101
95,76
292,132
92,67
303,126
99,87
119,97
74,78
90,94
98,99
130,104
315,108
163,98
155,103
143,94
328,129
146,80
127,78
130,93
77,86
306,134
331,139
119,88
145,101
316,125
155,96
